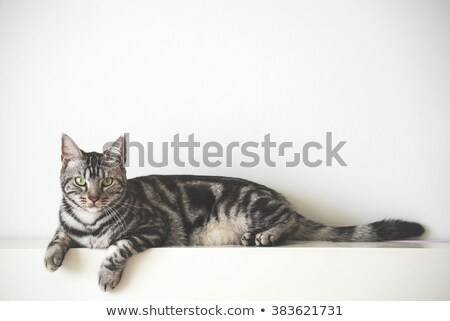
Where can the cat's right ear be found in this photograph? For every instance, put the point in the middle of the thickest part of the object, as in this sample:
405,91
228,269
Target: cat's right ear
69,150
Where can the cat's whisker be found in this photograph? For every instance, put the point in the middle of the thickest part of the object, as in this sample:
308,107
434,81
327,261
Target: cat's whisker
120,219
116,220
128,206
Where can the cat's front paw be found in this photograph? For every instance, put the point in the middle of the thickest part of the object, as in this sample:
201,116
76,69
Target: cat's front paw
53,258
108,278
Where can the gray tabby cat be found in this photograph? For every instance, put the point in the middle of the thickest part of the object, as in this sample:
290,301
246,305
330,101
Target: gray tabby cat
102,209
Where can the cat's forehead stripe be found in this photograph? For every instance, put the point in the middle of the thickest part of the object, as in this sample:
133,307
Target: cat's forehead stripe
92,166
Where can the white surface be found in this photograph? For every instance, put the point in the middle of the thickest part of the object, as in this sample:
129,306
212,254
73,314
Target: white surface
375,73
300,271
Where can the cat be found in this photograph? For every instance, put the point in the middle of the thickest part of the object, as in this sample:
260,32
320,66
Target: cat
101,208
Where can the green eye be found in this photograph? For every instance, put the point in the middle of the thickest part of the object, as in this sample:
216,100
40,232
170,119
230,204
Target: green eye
80,181
107,181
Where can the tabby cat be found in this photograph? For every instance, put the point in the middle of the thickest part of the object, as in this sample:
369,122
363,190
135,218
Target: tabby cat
102,209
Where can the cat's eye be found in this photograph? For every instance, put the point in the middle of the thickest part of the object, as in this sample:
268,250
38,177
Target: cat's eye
107,181
80,181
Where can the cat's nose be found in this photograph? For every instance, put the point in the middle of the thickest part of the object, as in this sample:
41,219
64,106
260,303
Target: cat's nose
93,199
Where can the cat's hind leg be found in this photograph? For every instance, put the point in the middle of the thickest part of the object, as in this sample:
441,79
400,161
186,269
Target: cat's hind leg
248,239
274,235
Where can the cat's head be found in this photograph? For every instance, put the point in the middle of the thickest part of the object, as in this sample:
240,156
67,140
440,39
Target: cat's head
93,181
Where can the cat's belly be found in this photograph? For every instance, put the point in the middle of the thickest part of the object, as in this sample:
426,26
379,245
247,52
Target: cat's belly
225,231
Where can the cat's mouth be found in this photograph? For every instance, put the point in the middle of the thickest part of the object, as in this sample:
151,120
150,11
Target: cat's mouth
94,207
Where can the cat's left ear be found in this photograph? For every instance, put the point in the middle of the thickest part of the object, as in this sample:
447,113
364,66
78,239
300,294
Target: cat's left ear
116,152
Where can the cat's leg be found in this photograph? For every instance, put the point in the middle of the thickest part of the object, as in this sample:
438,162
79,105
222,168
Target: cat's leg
118,254
57,249
248,239
278,233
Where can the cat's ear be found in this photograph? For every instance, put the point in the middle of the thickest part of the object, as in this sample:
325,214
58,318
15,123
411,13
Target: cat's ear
116,152
69,150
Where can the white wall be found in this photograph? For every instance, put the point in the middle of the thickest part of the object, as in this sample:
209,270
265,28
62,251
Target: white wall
376,74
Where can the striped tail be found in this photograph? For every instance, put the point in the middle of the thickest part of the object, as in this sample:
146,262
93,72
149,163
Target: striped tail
373,232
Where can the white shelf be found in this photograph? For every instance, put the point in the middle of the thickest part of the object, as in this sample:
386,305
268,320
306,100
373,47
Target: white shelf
297,271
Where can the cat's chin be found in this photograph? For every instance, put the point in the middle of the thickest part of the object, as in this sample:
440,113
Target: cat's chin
94,209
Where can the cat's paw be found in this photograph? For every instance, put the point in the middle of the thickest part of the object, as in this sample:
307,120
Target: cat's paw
109,278
248,239
266,239
53,258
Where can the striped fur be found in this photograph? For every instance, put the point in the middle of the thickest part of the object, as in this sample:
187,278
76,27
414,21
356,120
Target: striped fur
132,215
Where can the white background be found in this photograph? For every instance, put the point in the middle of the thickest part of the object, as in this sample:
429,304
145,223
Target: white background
376,74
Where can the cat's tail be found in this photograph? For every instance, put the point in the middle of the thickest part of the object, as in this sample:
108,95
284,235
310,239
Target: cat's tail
373,232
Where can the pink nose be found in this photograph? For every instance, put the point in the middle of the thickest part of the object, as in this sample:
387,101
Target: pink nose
93,199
